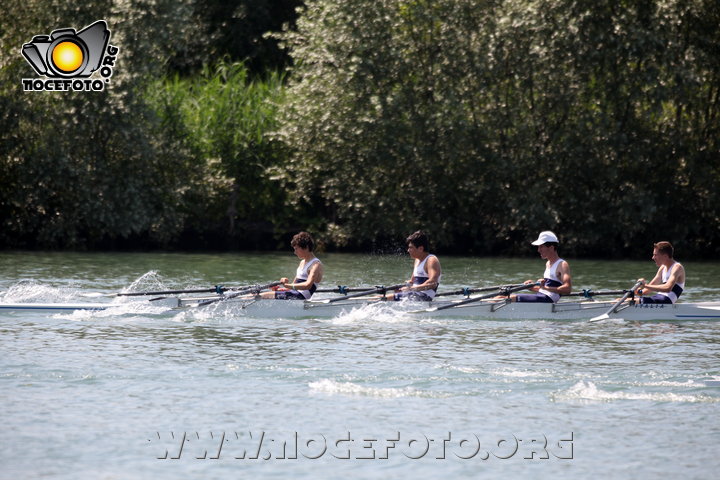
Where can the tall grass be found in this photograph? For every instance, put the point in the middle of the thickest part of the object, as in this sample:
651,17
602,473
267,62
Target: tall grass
226,118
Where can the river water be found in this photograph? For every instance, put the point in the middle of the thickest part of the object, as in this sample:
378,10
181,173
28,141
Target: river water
364,395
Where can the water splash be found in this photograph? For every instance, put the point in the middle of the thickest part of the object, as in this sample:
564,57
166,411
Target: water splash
149,281
31,291
373,312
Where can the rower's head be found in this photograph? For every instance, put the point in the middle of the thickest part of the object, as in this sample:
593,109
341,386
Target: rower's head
547,243
304,241
418,244
662,252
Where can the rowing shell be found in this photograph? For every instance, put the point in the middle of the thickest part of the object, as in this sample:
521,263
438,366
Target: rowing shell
55,307
569,310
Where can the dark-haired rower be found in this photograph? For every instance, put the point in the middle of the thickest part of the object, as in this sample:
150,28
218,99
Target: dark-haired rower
309,272
427,273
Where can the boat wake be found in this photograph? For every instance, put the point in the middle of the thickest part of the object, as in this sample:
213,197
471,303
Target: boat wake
374,312
385,312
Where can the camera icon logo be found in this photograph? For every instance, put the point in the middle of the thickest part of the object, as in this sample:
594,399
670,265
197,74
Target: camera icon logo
66,53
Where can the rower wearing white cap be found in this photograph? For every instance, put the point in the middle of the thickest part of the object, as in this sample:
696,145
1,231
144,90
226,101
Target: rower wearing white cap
556,280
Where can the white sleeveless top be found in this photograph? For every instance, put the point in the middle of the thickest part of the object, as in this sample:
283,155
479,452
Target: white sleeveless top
677,289
302,274
552,280
420,276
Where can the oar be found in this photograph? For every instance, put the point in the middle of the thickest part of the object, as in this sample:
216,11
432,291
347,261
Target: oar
468,291
500,291
612,309
253,289
363,293
217,289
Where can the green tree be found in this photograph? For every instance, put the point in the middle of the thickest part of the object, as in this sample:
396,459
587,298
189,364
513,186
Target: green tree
81,169
235,29
487,121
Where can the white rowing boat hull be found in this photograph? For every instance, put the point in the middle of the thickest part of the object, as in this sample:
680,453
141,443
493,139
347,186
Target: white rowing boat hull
478,310
54,307
484,310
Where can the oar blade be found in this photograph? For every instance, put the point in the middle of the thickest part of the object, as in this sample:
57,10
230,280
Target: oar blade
599,318
615,306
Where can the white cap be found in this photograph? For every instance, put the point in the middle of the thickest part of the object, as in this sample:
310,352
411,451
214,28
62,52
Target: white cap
545,237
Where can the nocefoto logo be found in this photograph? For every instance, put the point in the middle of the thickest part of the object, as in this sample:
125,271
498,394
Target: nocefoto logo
68,58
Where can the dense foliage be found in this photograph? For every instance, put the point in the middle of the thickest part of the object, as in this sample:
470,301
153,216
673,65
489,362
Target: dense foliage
226,119
482,122
485,122
235,29
81,169
154,160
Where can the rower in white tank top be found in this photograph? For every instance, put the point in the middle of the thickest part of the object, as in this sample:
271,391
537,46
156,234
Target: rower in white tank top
420,276
552,280
669,281
667,297
426,271
556,280
302,274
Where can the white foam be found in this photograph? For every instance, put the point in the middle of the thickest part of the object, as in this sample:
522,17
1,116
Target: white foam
667,383
214,312
590,391
378,312
349,388
523,373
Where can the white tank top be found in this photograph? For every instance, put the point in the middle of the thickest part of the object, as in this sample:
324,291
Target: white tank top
677,289
552,280
420,276
302,274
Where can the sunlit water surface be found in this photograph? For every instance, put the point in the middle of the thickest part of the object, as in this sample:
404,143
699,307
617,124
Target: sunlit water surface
369,394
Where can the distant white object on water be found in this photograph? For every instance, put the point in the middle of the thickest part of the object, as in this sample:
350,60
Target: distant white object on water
712,382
